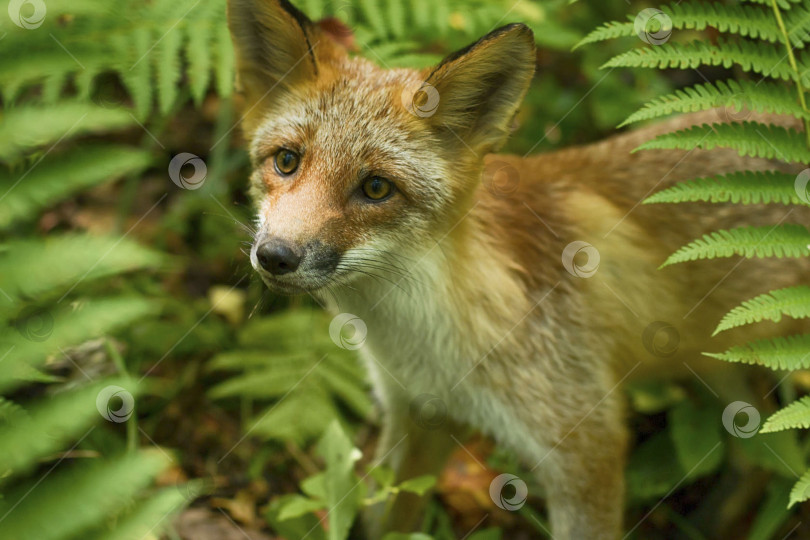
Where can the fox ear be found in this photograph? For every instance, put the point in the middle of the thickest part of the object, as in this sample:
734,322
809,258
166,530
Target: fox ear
274,45
475,92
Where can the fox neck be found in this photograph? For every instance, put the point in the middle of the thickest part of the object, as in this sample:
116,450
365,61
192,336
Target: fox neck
459,297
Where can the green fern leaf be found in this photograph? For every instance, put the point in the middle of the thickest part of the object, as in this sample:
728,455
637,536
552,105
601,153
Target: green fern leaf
51,424
757,57
29,345
791,301
772,97
97,491
769,241
783,4
166,58
53,179
745,187
22,128
743,20
747,138
32,269
780,353
372,12
224,66
801,490
151,516
795,415
136,74
199,59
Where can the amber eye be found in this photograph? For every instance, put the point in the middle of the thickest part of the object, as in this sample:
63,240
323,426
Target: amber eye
377,189
286,161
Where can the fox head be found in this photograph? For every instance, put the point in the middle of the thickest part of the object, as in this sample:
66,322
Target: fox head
351,161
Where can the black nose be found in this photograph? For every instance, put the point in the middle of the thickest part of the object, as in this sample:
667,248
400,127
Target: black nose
277,257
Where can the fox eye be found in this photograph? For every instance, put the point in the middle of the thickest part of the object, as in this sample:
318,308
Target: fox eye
377,188
286,162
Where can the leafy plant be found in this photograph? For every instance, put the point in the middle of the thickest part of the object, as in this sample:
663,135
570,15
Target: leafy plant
766,38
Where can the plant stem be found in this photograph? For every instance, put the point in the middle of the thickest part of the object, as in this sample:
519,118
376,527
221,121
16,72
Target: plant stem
794,66
132,422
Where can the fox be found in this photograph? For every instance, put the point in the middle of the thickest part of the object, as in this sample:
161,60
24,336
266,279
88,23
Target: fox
519,293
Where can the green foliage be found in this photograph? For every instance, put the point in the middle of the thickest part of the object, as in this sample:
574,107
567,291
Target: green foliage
307,377
795,415
150,46
783,352
734,95
770,241
338,490
748,138
764,41
791,301
743,187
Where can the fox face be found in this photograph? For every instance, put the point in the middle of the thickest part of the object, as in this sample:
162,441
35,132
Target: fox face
354,164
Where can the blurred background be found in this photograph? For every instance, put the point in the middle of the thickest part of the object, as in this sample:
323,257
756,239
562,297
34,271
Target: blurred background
151,388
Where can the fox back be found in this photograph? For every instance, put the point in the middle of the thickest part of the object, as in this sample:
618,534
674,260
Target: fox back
516,292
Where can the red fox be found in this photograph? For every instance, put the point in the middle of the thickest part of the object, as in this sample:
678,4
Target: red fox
516,291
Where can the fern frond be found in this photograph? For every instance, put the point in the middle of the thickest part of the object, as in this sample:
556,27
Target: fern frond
784,5
772,97
97,492
53,179
747,138
780,353
795,415
68,326
801,489
148,519
751,56
747,21
50,424
768,241
33,269
791,301
23,129
744,187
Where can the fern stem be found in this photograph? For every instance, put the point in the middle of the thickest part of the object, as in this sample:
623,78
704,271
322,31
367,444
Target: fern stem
793,65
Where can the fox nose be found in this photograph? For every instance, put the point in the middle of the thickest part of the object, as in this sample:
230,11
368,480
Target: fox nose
277,257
